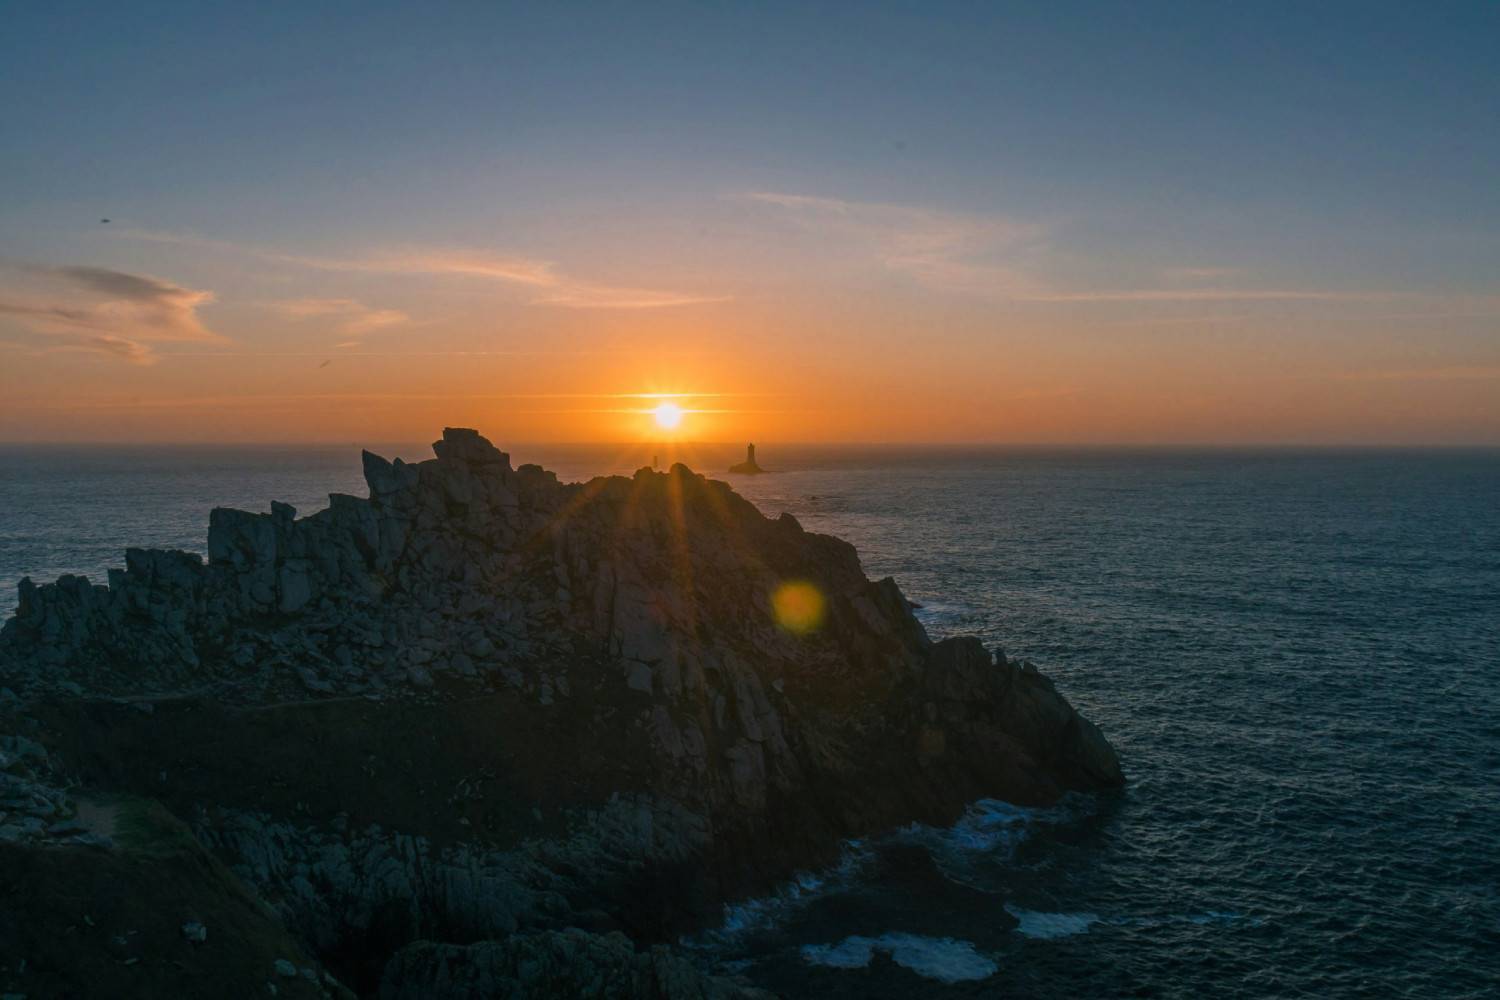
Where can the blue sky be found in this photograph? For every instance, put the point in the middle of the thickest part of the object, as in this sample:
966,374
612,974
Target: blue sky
1030,171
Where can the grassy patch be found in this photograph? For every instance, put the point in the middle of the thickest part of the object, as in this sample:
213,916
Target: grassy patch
145,827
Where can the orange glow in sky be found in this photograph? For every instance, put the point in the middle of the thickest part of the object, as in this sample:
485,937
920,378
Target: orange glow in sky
171,339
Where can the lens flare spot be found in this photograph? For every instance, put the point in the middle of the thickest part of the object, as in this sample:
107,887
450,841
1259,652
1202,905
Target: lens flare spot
799,607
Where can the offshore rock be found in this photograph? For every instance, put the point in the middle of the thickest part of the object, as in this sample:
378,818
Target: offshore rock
482,706
748,467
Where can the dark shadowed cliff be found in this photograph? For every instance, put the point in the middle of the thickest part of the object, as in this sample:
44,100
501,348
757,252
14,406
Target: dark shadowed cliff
482,733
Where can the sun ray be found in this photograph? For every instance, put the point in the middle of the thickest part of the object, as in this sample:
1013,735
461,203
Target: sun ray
681,543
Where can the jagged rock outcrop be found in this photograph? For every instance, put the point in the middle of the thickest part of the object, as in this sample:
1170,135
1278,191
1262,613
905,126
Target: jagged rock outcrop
527,705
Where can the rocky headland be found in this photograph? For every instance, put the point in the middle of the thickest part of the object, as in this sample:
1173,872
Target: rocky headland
480,733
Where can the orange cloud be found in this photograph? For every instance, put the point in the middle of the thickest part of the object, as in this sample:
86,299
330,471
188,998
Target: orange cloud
354,317
102,311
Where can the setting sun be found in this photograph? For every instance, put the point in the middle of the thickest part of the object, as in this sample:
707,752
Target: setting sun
668,415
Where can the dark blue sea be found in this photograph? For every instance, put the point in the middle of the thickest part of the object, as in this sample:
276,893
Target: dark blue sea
1297,654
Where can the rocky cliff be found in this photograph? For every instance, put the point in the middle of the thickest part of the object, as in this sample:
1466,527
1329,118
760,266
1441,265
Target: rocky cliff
480,733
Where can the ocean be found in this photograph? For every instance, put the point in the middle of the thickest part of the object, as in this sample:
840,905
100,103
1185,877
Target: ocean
1296,653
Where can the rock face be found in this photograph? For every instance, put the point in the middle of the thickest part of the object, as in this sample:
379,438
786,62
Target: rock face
482,705
558,965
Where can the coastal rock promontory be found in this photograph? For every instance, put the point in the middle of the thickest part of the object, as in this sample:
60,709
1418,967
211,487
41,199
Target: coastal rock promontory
478,723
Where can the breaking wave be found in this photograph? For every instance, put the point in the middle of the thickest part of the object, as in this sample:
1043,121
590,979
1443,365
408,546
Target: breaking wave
765,912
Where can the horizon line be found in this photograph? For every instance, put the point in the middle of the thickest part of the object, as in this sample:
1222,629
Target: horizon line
766,442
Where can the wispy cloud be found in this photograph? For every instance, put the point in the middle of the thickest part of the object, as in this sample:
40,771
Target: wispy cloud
1413,305
1212,295
118,348
353,318
580,295
944,250
1007,260
465,263
102,311
552,287
1451,373
1197,273
129,351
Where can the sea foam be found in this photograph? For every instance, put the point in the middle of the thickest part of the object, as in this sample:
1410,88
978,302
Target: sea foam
764,912
943,959
1050,926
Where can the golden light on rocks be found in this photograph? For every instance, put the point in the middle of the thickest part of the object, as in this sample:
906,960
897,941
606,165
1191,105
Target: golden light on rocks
799,607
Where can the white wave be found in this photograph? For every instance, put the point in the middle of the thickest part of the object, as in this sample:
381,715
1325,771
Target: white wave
989,833
988,826
766,911
991,825
935,615
943,959
1050,926
850,953
989,830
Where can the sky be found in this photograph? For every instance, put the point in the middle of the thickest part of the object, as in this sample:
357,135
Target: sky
1028,223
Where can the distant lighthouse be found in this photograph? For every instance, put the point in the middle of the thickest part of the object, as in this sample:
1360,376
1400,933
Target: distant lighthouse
748,466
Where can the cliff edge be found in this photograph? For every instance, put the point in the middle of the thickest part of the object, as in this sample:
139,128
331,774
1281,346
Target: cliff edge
477,727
